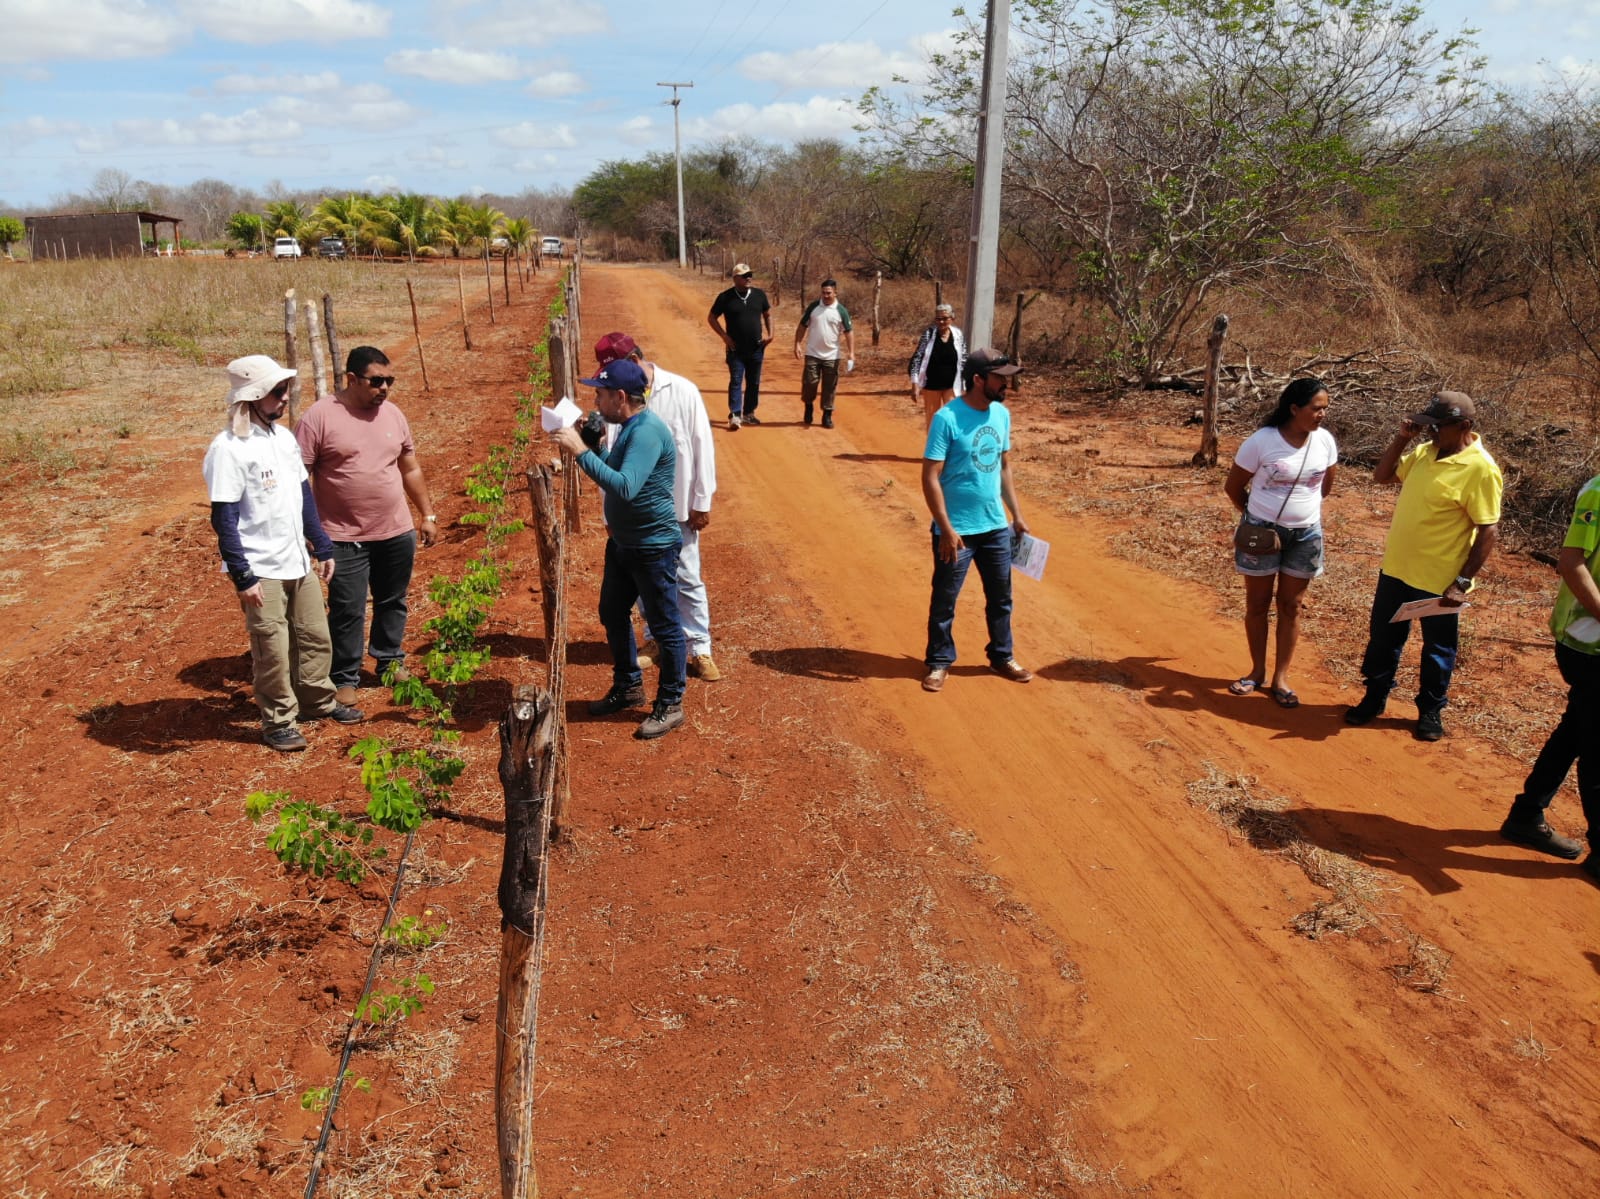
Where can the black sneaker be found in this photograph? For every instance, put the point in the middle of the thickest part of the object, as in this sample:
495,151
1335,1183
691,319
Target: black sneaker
616,700
663,718
342,713
827,420
1368,710
808,415
752,420
1430,726
284,738
1536,834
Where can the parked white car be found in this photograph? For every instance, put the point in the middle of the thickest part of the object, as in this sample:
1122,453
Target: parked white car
285,247
550,247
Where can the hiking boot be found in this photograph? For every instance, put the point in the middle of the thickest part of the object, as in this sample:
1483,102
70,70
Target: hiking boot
1533,833
1430,726
702,667
649,653
934,681
663,718
616,700
808,416
342,713
827,420
752,420
345,695
285,738
1368,710
1013,670
733,423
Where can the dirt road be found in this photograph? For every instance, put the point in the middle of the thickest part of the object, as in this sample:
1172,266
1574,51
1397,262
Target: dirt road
1222,1052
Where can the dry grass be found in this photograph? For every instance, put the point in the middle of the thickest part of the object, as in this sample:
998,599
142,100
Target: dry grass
1354,889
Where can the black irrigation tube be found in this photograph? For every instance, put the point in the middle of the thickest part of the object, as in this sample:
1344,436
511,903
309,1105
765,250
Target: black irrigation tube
355,1021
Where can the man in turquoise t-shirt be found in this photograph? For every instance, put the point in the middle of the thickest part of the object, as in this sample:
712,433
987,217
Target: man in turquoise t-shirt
966,478
642,547
1576,625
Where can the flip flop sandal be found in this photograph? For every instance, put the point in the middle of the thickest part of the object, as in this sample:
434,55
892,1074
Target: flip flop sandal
1284,697
1242,686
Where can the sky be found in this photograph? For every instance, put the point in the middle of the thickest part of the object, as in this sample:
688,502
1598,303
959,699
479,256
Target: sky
462,97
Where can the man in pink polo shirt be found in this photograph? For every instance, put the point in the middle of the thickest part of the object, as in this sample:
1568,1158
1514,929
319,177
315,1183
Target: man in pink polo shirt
363,467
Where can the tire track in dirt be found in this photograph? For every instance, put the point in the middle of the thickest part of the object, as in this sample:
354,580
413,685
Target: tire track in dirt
1224,1054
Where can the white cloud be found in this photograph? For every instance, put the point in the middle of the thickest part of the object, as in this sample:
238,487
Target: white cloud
262,21
523,22
368,106
835,64
553,85
381,183
453,65
249,85
638,131
535,166
31,129
209,129
817,117
436,158
31,30
533,135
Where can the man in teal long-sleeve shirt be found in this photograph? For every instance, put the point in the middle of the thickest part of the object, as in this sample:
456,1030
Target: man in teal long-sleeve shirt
642,549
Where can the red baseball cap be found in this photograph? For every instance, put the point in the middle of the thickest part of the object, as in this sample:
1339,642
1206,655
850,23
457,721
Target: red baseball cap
613,346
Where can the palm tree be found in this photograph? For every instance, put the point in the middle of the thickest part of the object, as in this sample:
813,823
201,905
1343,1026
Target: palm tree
339,216
284,218
483,223
518,231
452,218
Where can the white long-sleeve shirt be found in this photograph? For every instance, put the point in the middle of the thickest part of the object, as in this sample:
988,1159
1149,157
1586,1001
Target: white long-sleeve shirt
677,401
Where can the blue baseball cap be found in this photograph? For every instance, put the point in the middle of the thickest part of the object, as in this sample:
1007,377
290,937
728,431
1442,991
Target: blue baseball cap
621,375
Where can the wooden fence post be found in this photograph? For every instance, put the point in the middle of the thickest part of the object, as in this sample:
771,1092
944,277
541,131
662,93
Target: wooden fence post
1014,351
333,339
877,297
561,376
777,284
461,294
488,282
505,277
416,331
290,357
1206,455
938,296
553,595
528,753
319,360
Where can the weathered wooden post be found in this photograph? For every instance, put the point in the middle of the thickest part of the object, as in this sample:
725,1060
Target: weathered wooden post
561,376
505,277
1014,351
938,297
777,283
416,331
1206,455
290,358
319,359
488,282
877,297
333,337
461,294
553,595
528,754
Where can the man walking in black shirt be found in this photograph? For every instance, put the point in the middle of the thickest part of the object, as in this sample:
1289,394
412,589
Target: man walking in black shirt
742,317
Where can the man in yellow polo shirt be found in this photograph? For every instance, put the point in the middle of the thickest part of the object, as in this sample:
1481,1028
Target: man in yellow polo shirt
1441,535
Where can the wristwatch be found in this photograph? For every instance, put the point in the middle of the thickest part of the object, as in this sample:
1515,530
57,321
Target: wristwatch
430,516
1463,582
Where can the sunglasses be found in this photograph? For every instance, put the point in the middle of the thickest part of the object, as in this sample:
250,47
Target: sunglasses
377,380
280,389
749,276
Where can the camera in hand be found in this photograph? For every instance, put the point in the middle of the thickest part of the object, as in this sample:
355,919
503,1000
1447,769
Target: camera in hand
592,430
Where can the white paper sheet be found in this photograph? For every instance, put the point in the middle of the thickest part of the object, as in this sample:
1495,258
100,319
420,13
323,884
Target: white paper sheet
1030,556
562,416
1432,606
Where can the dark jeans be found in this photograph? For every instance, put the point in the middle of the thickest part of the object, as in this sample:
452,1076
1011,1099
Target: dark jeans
1385,640
649,576
744,371
992,553
1575,739
383,569
819,370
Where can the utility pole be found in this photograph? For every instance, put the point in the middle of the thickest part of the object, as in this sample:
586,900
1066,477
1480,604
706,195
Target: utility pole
983,251
677,153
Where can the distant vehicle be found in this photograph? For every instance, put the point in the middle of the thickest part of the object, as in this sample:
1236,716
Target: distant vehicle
285,247
331,247
550,247
500,246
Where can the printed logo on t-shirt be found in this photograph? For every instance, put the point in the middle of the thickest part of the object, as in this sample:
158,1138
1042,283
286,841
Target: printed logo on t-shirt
269,479
986,449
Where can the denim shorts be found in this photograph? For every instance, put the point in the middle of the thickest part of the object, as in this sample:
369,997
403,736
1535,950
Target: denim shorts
1299,553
